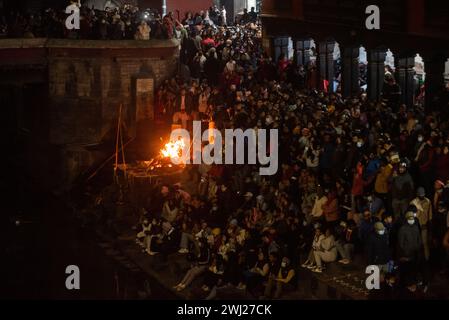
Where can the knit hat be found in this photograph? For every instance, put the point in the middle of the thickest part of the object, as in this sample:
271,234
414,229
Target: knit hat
421,192
409,215
378,226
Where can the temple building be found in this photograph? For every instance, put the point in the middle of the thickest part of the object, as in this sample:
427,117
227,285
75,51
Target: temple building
332,34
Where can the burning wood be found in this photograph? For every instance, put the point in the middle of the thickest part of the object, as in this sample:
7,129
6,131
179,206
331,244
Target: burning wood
173,150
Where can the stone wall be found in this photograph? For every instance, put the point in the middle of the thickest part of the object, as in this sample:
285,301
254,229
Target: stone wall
87,81
89,84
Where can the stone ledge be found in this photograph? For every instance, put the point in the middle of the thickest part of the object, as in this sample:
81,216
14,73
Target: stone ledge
85,44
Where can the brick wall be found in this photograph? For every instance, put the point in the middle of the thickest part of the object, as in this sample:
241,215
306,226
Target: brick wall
87,86
86,82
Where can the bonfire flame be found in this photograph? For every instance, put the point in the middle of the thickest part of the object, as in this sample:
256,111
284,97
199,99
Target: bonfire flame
173,150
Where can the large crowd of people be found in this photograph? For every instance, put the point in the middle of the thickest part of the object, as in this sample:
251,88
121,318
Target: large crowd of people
358,178
115,23
360,182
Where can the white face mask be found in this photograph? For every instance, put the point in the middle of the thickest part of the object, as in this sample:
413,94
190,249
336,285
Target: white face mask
283,264
381,232
411,221
359,144
420,139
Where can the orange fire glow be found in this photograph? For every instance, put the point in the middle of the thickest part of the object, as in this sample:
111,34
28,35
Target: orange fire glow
173,149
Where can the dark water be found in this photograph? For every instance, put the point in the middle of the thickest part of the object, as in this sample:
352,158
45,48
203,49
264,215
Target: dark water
37,253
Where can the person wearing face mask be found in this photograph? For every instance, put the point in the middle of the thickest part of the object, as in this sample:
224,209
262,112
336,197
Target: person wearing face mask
346,242
409,246
424,215
378,250
418,144
283,281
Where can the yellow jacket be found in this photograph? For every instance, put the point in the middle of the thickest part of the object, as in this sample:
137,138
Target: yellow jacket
382,179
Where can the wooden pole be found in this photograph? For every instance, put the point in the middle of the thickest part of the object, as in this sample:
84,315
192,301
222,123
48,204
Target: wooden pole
117,141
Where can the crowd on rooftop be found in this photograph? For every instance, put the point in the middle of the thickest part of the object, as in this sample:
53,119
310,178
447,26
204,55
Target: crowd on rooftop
113,23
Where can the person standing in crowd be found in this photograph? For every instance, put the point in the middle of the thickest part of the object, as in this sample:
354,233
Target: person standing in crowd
424,215
224,18
402,190
366,226
253,15
409,247
143,31
424,160
377,249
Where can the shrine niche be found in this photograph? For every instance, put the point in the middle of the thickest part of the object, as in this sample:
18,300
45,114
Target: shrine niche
143,93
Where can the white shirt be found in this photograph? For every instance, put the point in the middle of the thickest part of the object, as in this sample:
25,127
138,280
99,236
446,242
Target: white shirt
223,15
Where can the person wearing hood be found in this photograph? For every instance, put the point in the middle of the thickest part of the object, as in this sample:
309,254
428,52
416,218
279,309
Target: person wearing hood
366,226
378,250
409,246
402,190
